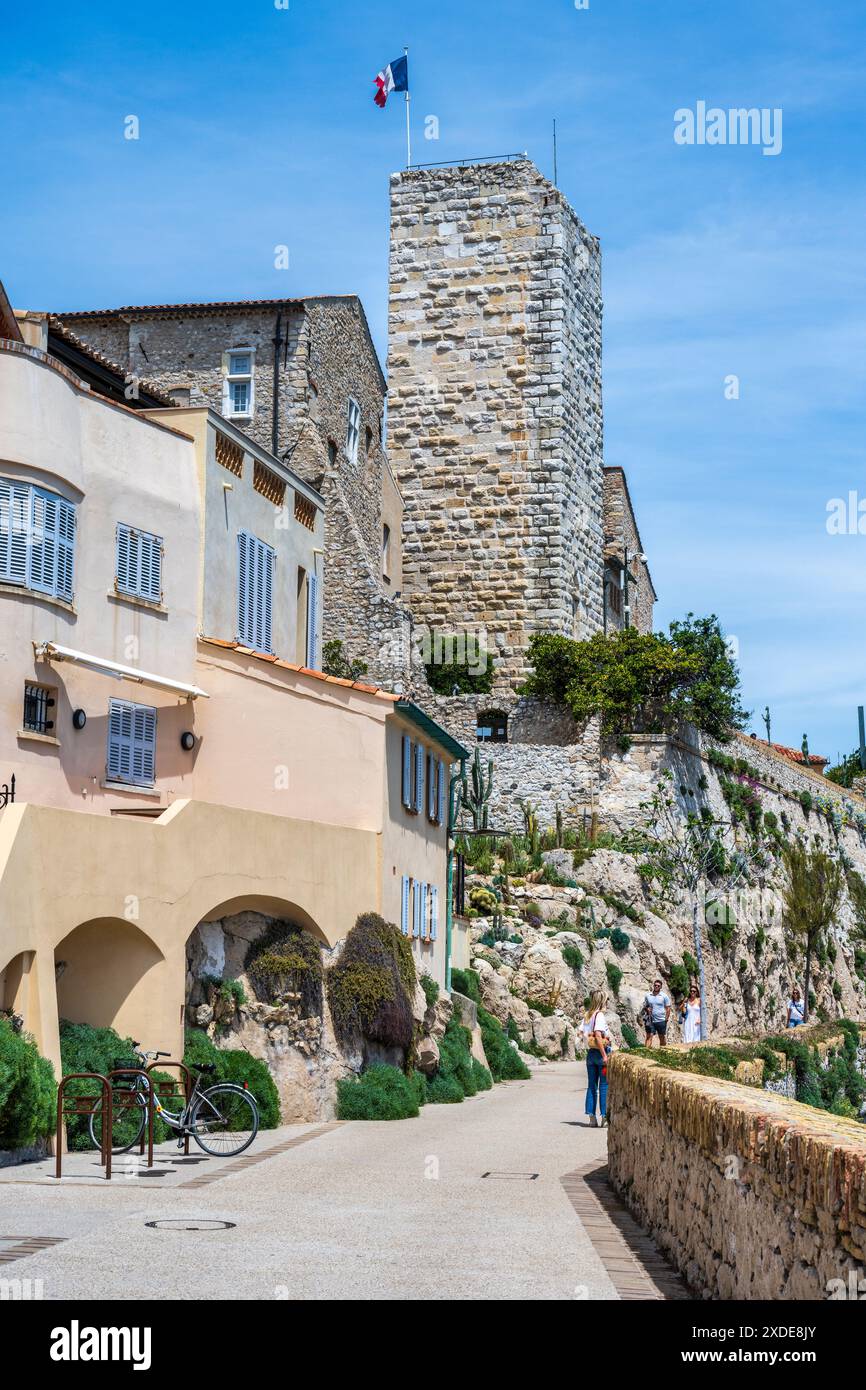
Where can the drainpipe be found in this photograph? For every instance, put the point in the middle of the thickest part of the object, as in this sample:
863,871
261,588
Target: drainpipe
275,419
455,782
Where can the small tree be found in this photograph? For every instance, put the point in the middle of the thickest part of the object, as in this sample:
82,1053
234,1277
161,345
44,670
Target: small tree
336,663
684,855
811,897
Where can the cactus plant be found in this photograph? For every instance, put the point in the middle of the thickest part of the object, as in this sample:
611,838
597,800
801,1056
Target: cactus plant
476,799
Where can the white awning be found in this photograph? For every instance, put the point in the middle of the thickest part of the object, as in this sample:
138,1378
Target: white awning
52,651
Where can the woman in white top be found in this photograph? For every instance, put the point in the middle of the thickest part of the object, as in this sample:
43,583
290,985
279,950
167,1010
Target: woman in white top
690,1016
595,1030
795,1008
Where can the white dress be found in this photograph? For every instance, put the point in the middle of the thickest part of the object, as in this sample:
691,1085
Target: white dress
692,1022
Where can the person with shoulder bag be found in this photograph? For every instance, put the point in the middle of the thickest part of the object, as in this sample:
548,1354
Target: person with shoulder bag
598,1049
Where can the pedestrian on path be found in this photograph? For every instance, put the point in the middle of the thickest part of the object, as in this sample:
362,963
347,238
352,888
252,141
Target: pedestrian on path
598,1049
656,1011
690,1016
795,1009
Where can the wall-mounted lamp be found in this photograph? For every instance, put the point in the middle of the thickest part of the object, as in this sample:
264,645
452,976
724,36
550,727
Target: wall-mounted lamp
228,487
187,741
79,719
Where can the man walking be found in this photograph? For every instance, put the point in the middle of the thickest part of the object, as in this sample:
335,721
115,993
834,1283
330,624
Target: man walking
656,1012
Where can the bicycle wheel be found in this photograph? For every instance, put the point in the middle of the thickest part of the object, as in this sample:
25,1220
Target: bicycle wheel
224,1121
128,1118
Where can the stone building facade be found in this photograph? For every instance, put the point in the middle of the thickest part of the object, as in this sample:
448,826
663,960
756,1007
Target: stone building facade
301,378
495,413
629,593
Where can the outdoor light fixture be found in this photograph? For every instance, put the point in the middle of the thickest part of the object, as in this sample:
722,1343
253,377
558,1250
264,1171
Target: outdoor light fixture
187,741
79,719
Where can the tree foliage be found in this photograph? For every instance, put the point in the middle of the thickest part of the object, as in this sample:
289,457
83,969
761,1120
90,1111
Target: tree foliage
811,897
634,679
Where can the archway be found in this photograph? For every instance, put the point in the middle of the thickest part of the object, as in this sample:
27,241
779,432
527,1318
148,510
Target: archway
110,974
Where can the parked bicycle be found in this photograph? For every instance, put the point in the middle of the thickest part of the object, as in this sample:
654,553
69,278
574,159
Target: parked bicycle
223,1120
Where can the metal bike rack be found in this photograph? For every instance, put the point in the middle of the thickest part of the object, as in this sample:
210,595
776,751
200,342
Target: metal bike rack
170,1091
128,1100
84,1105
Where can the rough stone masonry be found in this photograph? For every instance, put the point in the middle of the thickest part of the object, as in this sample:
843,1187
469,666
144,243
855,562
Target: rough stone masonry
495,410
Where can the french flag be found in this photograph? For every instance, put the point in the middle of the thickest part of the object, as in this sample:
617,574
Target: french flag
393,78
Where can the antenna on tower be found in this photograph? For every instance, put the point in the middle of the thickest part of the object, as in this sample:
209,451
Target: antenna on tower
554,149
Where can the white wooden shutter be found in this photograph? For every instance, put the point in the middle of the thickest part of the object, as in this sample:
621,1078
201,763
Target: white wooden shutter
123,568
150,567
419,778
244,588
443,784
14,531
434,912
65,549
312,621
422,912
263,631
417,899
404,905
407,772
139,563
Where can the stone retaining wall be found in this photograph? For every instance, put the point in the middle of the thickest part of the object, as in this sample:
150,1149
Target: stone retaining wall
749,1195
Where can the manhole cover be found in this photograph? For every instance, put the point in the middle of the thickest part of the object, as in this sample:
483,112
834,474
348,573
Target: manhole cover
511,1177
190,1223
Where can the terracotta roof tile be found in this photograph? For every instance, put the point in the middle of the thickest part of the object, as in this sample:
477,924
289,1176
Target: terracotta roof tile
302,670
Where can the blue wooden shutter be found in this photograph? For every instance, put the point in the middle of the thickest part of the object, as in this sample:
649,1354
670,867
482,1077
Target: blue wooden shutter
418,804
312,621
443,784
119,762
123,570
404,905
431,787
407,772
15,504
434,912
255,592
422,912
244,585
131,743
43,542
65,550
416,908
264,643
149,566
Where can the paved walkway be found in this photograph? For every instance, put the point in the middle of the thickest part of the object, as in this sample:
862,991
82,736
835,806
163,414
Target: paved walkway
471,1201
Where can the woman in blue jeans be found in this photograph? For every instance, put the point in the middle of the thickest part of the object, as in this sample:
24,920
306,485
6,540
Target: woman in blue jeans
595,1030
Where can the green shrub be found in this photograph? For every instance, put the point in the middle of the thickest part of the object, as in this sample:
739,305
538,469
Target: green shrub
483,1079
629,1036
678,981
85,1048
372,985
430,988
236,1065
444,1090
504,1062
620,940
286,959
614,977
690,965
28,1093
466,982
455,1056
542,1007
573,957
381,1093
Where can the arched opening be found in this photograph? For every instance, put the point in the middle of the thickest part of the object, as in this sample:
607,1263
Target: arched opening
492,726
107,974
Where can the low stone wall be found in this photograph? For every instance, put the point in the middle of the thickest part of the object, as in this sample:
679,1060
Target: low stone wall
749,1195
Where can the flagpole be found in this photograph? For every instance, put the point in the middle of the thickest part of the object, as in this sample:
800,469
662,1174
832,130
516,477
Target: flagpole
408,135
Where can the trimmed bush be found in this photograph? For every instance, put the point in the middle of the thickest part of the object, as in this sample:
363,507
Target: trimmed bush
85,1048
381,1093
444,1090
504,1061
372,985
466,982
236,1065
286,959
619,939
28,1092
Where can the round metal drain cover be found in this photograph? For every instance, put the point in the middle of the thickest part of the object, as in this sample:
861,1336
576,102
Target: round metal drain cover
190,1223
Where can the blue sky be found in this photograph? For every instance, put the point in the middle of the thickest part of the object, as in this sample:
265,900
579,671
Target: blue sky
257,127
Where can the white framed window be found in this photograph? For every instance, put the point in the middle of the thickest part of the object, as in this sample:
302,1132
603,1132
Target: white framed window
353,429
255,591
239,386
131,743
37,539
138,563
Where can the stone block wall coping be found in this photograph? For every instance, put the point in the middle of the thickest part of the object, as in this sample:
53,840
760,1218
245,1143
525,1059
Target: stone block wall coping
817,1159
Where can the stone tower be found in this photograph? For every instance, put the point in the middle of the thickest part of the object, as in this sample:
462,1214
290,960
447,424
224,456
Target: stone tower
495,406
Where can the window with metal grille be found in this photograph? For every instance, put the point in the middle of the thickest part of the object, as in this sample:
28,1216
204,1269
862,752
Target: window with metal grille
138,563
229,454
37,539
39,701
305,512
353,429
131,743
269,484
255,588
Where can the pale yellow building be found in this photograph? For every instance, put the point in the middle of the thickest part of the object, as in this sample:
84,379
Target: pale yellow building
177,755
